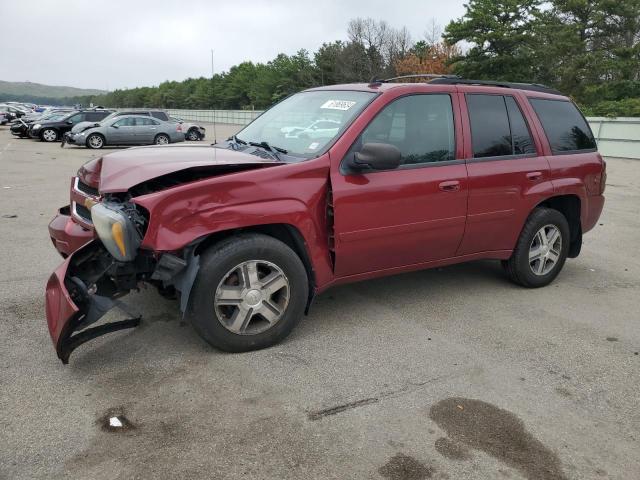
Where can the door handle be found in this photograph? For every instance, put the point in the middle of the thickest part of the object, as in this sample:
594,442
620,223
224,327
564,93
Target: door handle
449,186
534,176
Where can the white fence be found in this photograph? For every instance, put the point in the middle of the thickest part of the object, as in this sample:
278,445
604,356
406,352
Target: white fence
616,137
235,117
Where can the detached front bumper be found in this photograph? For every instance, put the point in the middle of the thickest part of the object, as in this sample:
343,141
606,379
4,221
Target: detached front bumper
72,304
67,235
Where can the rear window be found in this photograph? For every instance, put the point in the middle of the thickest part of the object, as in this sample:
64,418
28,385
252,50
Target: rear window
564,125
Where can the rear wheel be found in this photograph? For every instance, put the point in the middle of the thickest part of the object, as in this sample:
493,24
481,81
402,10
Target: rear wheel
250,293
161,139
49,135
541,249
95,141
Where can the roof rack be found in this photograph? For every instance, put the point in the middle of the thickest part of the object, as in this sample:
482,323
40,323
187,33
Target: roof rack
375,81
441,79
535,87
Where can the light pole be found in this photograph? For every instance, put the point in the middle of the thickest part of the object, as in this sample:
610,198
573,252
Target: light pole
212,63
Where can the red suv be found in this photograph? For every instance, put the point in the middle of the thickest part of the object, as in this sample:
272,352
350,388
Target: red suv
332,185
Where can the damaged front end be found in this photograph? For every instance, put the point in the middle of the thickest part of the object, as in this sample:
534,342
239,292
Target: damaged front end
91,280
84,288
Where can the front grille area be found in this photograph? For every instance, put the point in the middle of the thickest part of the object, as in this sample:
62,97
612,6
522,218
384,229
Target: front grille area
89,190
83,212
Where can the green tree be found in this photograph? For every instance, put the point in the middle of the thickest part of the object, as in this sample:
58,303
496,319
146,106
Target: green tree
501,37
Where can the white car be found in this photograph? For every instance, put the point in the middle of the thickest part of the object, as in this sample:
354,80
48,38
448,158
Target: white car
323,128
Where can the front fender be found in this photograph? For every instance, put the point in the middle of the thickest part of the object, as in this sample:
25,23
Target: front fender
293,195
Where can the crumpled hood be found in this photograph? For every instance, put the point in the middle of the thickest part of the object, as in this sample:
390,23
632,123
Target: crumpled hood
127,168
79,127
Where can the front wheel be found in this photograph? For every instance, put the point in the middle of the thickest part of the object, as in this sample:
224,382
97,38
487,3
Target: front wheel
541,249
250,293
161,139
95,141
193,135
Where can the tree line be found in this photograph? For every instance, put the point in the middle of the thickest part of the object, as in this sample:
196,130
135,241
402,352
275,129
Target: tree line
588,49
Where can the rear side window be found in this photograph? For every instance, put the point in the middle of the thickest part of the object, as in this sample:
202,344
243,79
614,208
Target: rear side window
498,128
564,125
160,115
522,142
142,121
95,116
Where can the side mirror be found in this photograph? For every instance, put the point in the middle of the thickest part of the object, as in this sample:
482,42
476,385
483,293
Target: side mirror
378,156
114,126
69,122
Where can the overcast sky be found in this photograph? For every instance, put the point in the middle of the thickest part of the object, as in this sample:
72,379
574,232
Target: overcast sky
110,44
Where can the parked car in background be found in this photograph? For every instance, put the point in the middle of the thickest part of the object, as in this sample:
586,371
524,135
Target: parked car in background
16,110
35,115
3,118
127,130
418,175
20,127
159,114
192,131
52,131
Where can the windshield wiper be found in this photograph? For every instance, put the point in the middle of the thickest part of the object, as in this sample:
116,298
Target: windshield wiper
271,148
235,141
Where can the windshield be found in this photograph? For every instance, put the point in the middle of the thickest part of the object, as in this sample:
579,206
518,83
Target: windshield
305,123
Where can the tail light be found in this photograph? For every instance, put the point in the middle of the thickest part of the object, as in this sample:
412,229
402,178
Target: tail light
179,128
603,177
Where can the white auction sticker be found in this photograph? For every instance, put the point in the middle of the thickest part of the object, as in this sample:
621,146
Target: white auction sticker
338,104
313,146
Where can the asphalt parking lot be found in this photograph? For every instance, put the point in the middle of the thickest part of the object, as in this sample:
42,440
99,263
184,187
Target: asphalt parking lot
451,373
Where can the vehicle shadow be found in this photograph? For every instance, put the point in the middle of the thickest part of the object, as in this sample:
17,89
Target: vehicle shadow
163,329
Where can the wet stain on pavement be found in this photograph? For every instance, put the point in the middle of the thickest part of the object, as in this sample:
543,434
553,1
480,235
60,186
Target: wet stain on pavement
497,432
612,339
451,449
404,467
564,392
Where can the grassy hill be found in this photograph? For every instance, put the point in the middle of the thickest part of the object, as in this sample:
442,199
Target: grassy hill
39,93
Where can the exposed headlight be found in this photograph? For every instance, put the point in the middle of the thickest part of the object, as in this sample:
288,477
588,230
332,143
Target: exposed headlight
37,125
117,232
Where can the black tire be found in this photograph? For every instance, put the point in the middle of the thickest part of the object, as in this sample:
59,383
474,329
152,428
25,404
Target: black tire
49,135
518,267
193,135
159,139
95,145
215,265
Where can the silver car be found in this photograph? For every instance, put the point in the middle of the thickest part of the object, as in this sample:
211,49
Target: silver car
127,130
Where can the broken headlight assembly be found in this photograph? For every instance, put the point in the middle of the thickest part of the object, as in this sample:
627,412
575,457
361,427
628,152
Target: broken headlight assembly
117,227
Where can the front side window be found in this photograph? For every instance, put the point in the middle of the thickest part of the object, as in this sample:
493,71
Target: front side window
420,126
564,125
293,123
125,122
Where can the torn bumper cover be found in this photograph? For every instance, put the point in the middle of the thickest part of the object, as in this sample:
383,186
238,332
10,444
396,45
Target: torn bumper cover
81,290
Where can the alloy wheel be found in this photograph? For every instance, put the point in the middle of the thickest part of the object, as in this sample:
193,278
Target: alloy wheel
49,135
95,141
545,248
252,297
